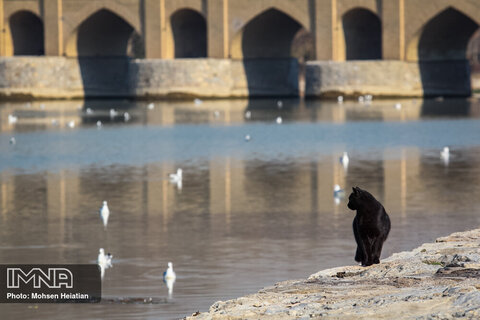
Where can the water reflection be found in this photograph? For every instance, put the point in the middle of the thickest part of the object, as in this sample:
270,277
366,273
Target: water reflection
246,215
58,114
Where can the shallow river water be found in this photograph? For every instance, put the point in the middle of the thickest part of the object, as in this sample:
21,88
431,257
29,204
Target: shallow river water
248,213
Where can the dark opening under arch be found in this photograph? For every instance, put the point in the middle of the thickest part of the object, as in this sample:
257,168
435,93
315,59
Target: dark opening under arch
105,45
363,35
27,34
446,36
442,54
105,34
189,30
269,35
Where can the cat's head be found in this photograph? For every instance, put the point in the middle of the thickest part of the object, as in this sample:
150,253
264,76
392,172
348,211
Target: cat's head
355,198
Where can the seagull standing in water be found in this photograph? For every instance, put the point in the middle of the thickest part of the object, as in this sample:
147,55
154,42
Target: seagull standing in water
113,113
104,213
177,178
445,155
248,114
340,99
104,261
169,278
279,120
338,192
344,159
12,119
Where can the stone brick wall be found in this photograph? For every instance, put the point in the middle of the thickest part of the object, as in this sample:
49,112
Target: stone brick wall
59,77
387,78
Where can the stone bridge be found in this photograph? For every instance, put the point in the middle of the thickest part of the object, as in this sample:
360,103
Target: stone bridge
428,33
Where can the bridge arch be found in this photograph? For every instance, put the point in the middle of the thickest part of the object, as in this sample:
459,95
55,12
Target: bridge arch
104,33
27,33
362,34
270,34
440,47
72,25
443,37
189,34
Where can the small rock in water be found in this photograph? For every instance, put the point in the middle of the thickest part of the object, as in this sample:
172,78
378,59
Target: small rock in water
12,140
42,106
54,122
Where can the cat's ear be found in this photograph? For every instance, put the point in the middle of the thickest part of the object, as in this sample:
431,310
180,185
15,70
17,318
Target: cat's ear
355,190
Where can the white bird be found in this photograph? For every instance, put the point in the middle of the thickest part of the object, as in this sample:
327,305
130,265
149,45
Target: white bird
398,106
126,116
177,178
71,124
99,124
340,99
368,97
104,213
169,273
104,261
151,106
248,115
12,119
169,278
445,154
197,101
216,113
42,106
279,120
174,177
113,113
89,111
361,99
54,122
344,159
13,140
280,104
338,192
247,137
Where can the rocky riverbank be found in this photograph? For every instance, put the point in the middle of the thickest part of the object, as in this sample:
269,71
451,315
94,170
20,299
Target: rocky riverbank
438,280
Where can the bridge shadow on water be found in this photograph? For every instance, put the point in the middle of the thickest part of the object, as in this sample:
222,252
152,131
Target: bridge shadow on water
445,78
111,77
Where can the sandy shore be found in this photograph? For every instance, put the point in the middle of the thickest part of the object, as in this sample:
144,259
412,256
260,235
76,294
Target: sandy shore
438,280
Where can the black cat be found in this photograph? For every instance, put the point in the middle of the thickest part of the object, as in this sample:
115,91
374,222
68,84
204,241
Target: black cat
371,226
